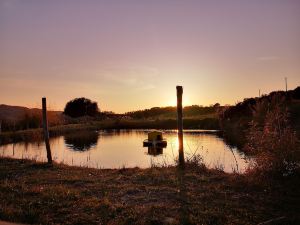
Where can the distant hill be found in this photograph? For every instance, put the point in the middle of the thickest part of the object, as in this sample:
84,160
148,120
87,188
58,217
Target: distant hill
170,112
14,113
14,118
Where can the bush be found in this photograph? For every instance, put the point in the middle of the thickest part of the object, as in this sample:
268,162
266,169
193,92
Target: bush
79,107
271,139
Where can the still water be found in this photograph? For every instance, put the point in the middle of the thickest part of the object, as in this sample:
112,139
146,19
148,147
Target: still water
124,148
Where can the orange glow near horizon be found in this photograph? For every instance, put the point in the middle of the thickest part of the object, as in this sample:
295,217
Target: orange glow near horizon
185,101
130,55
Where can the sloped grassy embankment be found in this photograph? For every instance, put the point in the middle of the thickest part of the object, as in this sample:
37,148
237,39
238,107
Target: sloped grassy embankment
32,192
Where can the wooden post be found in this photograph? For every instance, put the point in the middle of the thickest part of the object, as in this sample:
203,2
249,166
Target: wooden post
46,132
180,125
286,84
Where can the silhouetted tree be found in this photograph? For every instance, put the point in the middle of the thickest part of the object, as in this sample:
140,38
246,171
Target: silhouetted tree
81,107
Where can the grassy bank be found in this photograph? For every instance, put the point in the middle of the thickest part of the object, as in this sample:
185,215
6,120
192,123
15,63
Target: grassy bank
35,193
236,120
36,134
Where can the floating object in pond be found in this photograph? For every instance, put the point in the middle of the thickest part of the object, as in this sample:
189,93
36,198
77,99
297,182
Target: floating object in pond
155,139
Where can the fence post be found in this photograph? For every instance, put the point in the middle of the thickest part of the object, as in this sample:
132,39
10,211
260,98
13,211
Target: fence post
46,132
180,126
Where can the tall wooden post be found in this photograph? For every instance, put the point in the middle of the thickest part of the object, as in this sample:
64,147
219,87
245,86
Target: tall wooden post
180,125
46,132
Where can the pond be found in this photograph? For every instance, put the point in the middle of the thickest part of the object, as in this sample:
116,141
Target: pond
124,148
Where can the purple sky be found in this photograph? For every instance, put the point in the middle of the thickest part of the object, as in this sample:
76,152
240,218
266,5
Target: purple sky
130,54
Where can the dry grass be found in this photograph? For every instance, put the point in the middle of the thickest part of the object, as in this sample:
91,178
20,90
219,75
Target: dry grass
272,139
35,193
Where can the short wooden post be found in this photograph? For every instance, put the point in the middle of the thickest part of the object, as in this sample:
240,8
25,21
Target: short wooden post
46,132
180,126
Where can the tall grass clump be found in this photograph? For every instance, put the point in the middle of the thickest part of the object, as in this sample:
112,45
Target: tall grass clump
271,139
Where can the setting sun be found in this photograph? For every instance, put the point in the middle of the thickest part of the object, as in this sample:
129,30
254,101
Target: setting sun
185,102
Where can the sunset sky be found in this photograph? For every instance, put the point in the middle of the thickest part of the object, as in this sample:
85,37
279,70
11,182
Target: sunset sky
130,54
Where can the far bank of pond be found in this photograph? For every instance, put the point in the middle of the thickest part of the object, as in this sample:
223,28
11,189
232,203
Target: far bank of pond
34,193
36,134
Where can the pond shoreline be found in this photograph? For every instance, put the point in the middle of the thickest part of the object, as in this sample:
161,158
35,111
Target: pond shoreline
36,134
33,192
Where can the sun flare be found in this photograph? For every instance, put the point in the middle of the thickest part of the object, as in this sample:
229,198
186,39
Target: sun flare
173,102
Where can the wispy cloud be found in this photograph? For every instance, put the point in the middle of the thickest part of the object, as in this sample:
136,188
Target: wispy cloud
147,87
267,58
137,77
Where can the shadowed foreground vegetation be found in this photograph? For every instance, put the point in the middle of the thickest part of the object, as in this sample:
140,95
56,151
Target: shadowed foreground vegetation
35,193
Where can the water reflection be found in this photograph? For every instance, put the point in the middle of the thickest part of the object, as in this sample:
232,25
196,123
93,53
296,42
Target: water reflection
81,141
124,148
155,151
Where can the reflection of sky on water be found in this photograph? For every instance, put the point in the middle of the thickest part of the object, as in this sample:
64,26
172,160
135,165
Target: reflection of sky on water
116,149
